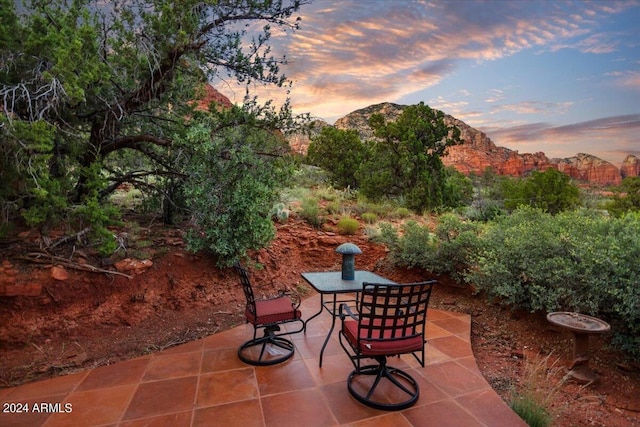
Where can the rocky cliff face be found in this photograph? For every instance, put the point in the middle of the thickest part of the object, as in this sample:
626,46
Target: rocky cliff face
630,166
300,141
211,95
478,152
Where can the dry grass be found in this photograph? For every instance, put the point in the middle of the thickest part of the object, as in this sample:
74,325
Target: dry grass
542,380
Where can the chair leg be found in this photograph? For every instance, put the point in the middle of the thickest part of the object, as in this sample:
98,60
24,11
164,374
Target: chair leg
366,395
247,351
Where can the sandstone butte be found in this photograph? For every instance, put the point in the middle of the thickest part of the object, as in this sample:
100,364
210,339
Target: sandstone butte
475,154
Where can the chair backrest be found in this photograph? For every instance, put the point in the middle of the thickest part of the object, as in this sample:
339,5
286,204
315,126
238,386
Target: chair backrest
248,290
393,312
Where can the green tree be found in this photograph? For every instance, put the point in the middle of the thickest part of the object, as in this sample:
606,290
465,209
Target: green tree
230,189
458,189
626,197
405,158
339,152
96,94
551,191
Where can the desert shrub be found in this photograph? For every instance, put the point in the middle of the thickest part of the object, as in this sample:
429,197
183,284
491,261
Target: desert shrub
576,261
339,152
310,212
401,213
456,246
309,176
458,189
381,209
348,225
483,210
551,191
327,193
231,189
626,197
451,249
333,207
412,247
369,217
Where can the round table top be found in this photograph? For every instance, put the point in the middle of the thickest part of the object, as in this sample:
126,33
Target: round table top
577,322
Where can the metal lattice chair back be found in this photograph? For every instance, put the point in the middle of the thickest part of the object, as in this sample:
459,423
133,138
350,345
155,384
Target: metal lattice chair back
391,321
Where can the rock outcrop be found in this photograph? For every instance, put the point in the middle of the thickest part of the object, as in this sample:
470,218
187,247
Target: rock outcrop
474,155
630,166
211,95
478,152
300,141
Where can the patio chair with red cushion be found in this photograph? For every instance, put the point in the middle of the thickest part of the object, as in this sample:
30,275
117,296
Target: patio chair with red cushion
268,315
390,322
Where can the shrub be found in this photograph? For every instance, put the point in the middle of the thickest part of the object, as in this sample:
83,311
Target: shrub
401,213
551,191
231,189
311,212
348,225
413,247
369,217
575,261
456,246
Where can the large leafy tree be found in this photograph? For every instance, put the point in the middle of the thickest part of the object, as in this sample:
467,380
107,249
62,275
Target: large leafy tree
626,197
340,152
551,190
232,172
95,94
406,157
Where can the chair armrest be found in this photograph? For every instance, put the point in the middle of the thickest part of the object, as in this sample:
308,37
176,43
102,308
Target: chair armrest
295,298
344,307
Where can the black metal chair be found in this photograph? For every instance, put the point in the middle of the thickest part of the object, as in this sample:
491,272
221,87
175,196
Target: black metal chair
390,322
268,315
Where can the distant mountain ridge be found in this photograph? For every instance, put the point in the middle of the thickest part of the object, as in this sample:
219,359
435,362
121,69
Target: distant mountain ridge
477,152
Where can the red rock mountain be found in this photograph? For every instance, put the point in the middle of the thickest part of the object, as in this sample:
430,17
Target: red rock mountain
477,152
211,95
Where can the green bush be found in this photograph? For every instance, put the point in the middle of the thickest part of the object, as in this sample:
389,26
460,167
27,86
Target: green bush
575,261
311,212
369,217
551,191
348,225
456,248
452,249
339,152
401,213
413,247
231,189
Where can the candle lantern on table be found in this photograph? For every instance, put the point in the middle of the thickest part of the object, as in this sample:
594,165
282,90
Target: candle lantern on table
348,251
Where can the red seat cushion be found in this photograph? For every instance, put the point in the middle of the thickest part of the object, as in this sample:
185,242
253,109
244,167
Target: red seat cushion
276,310
389,346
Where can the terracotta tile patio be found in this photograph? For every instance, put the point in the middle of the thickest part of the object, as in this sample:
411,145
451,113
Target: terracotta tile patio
203,383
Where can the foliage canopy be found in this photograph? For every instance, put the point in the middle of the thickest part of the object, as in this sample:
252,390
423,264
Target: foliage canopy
96,94
551,191
406,157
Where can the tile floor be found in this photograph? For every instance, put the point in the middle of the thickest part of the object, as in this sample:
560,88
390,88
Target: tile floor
203,383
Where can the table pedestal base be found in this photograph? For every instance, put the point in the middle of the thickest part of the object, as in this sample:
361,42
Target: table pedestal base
580,370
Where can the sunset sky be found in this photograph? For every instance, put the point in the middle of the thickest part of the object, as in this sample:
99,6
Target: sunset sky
554,76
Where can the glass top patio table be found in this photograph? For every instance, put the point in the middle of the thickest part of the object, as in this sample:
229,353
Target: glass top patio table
331,283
